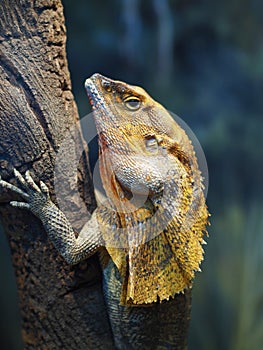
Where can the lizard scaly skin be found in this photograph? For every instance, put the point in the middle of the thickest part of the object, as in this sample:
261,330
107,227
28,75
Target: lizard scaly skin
151,250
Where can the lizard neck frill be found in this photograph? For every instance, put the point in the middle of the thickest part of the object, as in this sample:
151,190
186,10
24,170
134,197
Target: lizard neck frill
158,247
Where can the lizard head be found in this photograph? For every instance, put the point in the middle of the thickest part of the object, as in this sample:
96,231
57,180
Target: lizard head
139,140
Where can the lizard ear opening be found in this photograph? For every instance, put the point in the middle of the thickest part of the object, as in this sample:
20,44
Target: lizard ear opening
151,144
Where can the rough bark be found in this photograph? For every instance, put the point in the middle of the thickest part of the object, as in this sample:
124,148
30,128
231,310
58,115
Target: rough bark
62,307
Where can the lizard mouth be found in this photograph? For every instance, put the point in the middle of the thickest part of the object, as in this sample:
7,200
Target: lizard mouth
92,86
92,92
91,101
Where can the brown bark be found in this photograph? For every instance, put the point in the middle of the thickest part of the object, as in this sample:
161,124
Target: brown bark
62,307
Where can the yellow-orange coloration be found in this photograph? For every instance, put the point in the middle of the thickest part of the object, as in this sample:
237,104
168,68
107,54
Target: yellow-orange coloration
156,268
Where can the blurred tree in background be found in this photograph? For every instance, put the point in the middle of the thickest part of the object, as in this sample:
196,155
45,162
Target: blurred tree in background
203,60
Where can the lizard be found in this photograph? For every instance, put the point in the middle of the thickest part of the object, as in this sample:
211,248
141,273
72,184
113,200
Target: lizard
150,231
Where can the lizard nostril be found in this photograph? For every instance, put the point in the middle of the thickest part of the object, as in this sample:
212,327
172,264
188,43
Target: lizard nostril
106,85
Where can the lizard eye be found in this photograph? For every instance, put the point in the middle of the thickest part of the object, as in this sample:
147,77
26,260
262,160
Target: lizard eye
132,103
151,144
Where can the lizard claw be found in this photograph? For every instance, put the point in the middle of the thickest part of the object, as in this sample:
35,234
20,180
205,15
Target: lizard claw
13,188
35,196
31,182
19,177
44,188
20,205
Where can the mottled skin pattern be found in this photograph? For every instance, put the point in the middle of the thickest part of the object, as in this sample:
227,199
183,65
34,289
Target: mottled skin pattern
150,230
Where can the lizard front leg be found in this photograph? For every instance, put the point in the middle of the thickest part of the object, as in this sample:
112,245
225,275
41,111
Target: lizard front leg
57,226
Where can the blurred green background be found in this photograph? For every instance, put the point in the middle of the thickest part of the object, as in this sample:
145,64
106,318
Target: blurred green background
203,60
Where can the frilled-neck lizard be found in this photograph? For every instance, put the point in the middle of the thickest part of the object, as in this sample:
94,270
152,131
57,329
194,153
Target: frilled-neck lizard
150,230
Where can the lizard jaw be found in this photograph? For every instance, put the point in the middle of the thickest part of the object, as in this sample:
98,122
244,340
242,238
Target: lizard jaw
94,96
102,114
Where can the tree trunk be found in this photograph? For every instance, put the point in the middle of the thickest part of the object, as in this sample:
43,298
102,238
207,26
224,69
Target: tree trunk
62,307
